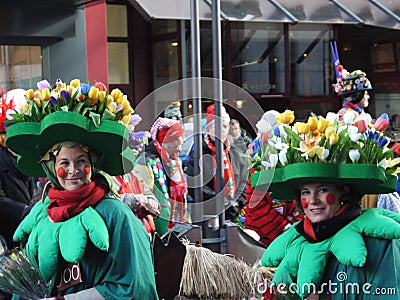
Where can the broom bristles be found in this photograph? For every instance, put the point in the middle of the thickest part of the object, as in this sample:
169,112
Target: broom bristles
209,274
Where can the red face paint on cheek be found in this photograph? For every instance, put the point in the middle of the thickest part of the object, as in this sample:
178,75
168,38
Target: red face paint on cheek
61,172
87,169
304,203
330,199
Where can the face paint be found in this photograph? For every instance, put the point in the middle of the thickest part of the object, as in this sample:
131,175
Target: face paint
304,203
87,169
61,172
330,199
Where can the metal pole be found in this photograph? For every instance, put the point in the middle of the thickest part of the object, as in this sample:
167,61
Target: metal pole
196,86
217,74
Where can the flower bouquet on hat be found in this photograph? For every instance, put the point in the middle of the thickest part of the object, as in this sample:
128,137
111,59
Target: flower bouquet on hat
353,152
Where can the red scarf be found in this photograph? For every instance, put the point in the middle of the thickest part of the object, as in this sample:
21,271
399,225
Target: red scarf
67,204
229,179
308,228
177,182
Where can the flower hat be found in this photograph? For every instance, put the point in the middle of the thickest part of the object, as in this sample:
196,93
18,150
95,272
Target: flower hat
82,112
348,83
325,150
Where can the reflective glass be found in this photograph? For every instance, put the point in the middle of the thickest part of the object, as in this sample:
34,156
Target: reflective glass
118,63
310,58
258,59
20,66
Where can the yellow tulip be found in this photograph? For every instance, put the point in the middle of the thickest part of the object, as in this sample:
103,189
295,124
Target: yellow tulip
30,94
329,131
94,93
24,107
333,139
322,125
126,119
286,117
37,101
126,107
110,100
75,83
102,96
313,121
45,94
302,128
118,95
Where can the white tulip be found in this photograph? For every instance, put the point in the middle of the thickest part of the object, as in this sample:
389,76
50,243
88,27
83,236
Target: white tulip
354,155
348,117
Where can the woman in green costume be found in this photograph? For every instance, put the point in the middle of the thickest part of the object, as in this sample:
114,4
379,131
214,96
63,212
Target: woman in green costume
84,242
338,251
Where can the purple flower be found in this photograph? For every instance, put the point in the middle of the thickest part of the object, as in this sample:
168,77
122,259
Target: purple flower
137,137
43,84
65,95
135,119
53,100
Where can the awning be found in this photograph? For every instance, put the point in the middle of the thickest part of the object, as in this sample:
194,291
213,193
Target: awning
380,13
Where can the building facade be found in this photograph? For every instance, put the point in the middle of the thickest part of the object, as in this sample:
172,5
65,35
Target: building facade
276,50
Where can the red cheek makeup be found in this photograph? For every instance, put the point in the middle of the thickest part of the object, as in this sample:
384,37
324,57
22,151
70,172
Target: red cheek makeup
304,203
87,169
330,199
61,172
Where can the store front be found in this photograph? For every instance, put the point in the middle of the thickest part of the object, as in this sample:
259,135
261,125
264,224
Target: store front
276,50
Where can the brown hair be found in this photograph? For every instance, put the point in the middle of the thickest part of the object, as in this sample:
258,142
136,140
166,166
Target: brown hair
3,139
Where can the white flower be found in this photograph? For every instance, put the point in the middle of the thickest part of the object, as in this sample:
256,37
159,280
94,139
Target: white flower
281,146
353,133
324,155
332,117
273,160
282,156
383,163
263,126
354,155
348,117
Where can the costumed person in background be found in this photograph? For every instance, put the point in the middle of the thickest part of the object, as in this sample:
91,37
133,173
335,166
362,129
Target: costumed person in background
391,201
16,189
173,112
339,250
240,163
208,168
266,216
161,170
132,189
78,139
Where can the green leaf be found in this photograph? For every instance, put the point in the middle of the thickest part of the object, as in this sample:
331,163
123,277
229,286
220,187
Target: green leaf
96,118
108,115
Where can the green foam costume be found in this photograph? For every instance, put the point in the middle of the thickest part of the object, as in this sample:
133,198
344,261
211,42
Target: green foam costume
301,262
109,243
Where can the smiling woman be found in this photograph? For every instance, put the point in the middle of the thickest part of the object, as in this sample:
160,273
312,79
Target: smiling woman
336,236
79,136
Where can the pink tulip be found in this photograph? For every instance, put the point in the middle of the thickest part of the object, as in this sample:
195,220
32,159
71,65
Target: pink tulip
361,125
382,122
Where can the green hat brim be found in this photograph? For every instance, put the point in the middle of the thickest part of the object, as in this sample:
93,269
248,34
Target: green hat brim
31,140
283,182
